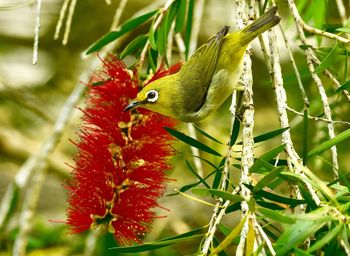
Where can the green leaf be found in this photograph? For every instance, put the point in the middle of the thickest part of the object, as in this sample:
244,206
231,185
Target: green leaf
190,141
216,192
305,136
161,243
189,26
329,143
327,238
152,58
137,43
228,240
345,73
269,205
345,30
218,175
235,131
275,198
151,37
126,27
161,39
195,173
265,158
328,61
300,252
189,186
305,46
344,86
264,182
261,166
268,135
98,83
180,16
171,16
275,215
206,134
233,207
296,234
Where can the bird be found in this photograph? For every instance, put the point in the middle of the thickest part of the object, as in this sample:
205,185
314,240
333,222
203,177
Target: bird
209,76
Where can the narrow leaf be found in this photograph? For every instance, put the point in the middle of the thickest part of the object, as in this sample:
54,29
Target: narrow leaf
345,30
305,136
268,135
250,239
171,16
328,61
218,175
195,173
344,86
235,131
300,252
275,215
216,192
228,240
327,238
151,37
266,158
180,16
264,182
152,58
296,234
206,134
161,243
190,141
126,27
161,39
329,143
189,26
137,43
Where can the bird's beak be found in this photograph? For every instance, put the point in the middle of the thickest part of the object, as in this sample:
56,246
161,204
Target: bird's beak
131,105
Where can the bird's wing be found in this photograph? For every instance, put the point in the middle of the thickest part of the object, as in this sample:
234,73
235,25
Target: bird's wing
198,71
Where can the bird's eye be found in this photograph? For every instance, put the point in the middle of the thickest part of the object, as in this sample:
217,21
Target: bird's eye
152,96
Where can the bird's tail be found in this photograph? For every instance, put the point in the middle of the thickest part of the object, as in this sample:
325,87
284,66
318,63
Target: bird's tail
266,21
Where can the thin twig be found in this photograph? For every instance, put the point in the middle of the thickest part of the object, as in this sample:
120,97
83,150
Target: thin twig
69,21
281,98
30,200
316,118
311,29
36,32
295,67
342,13
180,45
245,13
60,19
118,14
318,82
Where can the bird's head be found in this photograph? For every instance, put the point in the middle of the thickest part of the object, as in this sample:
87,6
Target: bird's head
158,96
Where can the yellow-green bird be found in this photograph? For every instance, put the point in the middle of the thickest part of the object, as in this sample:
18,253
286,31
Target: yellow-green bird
207,79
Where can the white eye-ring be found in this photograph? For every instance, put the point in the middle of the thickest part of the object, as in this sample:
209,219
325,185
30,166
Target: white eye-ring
152,96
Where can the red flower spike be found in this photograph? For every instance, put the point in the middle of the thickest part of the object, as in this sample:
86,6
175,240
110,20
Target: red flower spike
121,159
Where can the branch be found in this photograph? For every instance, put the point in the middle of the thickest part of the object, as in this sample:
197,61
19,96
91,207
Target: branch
317,118
318,82
303,26
36,32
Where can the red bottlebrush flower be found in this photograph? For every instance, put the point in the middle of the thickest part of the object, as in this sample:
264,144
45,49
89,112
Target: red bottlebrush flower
119,170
